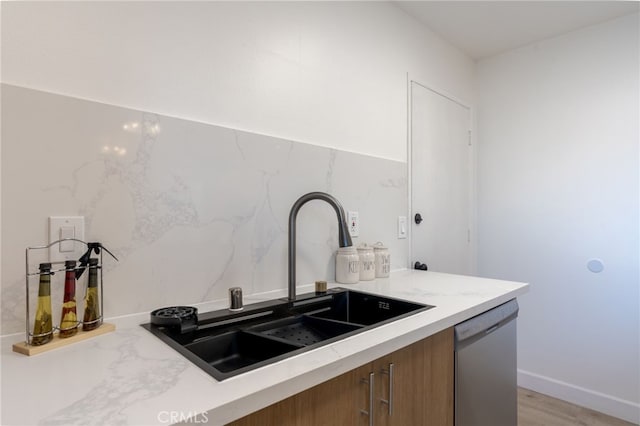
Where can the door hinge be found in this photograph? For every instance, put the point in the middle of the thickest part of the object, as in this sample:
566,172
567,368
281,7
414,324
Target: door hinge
469,137
468,235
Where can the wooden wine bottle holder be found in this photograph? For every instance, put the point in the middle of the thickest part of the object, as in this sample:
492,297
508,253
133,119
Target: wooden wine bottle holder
57,342
26,347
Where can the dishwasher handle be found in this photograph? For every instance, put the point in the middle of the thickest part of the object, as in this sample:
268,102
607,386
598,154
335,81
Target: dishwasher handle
485,323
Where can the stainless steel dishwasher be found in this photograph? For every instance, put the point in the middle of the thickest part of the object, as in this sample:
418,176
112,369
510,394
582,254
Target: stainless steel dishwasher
486,391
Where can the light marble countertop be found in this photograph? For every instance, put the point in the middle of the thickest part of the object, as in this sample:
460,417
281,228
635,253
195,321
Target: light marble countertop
130,377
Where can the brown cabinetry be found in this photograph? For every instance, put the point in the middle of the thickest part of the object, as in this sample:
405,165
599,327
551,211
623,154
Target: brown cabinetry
412,386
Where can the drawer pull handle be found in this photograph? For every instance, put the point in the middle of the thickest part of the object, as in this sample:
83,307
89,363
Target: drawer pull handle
370,412
389,402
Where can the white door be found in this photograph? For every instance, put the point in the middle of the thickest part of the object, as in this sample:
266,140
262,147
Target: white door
440,182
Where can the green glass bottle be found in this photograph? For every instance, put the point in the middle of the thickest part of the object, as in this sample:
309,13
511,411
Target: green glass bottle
69,317
43,326
91,318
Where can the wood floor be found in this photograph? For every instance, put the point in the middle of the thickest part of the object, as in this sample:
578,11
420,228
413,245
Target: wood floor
535,409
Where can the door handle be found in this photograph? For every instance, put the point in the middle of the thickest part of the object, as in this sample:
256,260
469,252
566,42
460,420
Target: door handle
418,218
491,329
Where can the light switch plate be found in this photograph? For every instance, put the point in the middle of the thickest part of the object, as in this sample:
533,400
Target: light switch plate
402,227
61,227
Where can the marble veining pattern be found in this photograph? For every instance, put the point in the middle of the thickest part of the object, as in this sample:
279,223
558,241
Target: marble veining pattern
190,209
131,378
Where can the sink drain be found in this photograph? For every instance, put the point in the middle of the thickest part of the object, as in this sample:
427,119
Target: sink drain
299,333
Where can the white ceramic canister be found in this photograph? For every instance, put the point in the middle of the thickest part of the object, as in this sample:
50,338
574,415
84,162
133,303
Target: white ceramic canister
383,260
347,265
367,262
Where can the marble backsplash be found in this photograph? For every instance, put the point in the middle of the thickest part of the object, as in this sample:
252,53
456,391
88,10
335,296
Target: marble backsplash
190,209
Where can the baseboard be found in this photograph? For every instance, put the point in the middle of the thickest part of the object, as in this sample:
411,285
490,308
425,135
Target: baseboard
607,404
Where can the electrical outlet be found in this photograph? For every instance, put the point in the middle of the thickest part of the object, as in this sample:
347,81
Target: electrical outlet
354,223
61,227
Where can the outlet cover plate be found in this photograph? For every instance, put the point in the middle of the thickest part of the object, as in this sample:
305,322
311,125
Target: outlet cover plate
66,227
353,219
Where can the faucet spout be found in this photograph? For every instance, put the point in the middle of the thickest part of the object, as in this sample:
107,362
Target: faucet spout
344,239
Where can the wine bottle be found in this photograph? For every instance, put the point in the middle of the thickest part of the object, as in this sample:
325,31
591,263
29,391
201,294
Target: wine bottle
69,317
43,326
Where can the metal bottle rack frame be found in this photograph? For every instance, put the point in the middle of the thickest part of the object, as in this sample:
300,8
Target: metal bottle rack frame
28,274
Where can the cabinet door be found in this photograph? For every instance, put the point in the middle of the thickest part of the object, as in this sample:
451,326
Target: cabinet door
439,379
420,392
343,400
281,413
339,401
407,387
420,387
399,387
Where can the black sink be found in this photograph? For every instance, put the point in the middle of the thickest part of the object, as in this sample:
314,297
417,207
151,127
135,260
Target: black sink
366,309
225,344
238,349
305,330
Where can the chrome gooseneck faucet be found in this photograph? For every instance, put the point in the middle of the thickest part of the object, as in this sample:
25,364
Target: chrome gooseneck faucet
344,239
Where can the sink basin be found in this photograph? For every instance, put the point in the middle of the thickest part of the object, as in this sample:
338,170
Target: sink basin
305,330
225,344
365,309
238,349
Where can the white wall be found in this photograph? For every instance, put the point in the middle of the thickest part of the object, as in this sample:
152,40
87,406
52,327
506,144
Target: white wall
333,74
558,185
327,73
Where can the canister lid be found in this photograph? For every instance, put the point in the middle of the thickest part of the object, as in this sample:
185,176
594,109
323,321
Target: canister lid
347,250
379,246
364,247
